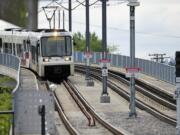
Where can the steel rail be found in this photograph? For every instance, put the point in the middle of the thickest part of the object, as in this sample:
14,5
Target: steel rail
140,104
110,127
143,88
90,118
61,113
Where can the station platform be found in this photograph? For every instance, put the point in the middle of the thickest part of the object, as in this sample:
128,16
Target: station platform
28,80
149,80
116,112
28,100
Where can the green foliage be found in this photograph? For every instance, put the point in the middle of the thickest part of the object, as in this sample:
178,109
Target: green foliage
5,104
5,120
95,43
4,79
80,42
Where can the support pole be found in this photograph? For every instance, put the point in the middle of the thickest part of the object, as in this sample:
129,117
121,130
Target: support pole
89,81
70,16
63,20
132,5
42,112
54,15
87,39
105,98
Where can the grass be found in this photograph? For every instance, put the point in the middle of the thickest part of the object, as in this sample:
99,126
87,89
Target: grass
4,79
5,105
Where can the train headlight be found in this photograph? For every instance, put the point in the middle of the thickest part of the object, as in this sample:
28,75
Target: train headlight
46,59
67,58
55,34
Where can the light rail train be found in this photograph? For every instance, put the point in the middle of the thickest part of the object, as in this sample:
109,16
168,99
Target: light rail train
47,52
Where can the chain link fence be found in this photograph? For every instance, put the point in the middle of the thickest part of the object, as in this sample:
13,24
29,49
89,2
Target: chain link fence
157,70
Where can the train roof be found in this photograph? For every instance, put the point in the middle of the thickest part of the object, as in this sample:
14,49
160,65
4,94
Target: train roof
37,33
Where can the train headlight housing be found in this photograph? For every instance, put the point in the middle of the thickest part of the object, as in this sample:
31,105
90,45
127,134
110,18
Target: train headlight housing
67,58
46,59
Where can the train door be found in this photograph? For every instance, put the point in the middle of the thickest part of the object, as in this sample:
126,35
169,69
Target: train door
10,48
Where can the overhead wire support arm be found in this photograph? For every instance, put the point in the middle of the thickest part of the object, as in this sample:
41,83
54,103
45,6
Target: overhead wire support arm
53,15
60,4
82,3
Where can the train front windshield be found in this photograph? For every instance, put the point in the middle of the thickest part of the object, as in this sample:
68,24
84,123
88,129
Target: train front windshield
56,46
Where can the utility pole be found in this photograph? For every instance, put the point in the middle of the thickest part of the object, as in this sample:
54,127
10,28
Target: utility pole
132,4
158,57
70,16
105,98
89,81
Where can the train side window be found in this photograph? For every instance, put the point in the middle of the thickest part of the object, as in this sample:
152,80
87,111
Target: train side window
28,45
19,50
5,47
38,48
37,51
68,46
14,49
24,46
10,48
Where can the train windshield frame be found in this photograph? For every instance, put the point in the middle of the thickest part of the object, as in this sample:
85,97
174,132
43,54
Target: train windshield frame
56,46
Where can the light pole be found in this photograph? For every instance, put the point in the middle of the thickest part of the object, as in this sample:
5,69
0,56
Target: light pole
132,4
105,98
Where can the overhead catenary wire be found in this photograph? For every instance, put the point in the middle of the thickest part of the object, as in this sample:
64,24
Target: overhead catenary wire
67,8
127,30
82,3
41,9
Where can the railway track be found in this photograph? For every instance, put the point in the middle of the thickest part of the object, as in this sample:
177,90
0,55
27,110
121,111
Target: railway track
86,109
110,127
115,77
45,85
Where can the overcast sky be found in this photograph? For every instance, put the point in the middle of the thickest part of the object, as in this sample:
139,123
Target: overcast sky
157,25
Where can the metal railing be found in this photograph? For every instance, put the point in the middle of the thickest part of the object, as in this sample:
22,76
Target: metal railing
157,70
7,117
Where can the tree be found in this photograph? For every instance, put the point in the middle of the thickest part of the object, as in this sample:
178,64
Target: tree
95,43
